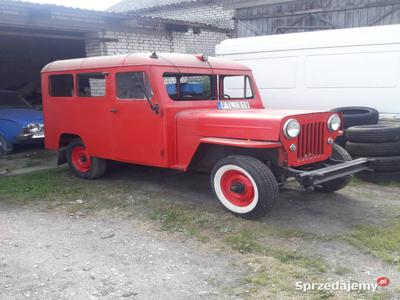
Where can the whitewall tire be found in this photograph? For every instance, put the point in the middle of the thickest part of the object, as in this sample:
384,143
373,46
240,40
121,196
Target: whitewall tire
245,186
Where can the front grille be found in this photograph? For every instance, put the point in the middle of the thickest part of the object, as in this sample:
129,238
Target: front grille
311,141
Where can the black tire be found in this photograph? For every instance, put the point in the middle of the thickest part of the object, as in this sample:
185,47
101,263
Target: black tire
377,177
341,141
380,133
338,153
373,149
385,164
262,180
358,115
5,147
97,167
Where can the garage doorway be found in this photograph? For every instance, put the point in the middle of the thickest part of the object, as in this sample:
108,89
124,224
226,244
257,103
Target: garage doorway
23,55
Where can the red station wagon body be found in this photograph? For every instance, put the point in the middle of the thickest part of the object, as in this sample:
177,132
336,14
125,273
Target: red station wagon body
135,134
189,112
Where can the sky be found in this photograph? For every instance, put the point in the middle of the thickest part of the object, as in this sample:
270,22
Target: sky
87,4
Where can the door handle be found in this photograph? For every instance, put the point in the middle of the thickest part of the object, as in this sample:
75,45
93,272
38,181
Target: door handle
114,110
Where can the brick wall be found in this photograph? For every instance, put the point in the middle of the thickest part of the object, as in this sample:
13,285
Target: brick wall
153,40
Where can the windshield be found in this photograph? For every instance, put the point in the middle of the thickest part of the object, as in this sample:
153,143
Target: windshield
9,99
237,87
190,86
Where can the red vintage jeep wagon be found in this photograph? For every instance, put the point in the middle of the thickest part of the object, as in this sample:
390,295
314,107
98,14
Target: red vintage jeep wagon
189,112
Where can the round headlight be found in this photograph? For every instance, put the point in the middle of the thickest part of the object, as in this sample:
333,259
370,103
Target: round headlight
33,128
334,122
291,129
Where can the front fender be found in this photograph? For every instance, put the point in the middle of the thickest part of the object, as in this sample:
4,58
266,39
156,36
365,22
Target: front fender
189,145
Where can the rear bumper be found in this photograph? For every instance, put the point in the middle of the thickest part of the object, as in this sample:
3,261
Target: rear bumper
334,169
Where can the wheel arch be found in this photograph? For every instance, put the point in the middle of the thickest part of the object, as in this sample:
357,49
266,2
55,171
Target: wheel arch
63,141
208,153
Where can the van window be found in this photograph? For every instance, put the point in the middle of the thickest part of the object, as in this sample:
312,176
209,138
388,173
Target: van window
187,87
133,85
91,85
61,85
237,87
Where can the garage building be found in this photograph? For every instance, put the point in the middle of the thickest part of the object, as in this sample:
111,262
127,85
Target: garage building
32,35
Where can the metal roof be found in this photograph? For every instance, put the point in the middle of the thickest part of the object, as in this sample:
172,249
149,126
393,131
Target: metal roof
142,59
88,19
134,5
26,4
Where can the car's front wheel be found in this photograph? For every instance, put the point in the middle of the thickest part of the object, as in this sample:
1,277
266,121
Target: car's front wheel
245,186
82,164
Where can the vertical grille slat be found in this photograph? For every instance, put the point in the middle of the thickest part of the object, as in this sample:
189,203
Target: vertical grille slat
311,141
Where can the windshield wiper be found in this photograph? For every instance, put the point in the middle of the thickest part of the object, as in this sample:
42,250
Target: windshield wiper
139,84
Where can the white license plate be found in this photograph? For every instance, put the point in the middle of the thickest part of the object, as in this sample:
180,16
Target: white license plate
233,104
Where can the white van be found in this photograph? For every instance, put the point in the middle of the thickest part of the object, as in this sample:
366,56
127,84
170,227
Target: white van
324,69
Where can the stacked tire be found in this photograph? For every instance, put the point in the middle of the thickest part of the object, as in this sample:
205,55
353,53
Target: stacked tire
381,143
356,116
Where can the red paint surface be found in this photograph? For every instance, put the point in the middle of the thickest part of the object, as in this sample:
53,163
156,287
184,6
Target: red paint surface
135,134
81,159
231,178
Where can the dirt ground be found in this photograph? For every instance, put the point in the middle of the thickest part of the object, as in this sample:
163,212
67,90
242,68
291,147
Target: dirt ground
27,158
146,233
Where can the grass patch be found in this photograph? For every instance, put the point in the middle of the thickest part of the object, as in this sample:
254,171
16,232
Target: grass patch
36,186
342,271
390,183
355,181
380,241
179,220
246,242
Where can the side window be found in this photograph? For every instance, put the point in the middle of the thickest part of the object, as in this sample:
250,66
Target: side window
91,85
61,85
133,85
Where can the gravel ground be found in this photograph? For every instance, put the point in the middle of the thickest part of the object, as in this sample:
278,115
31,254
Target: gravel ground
52,256
55,254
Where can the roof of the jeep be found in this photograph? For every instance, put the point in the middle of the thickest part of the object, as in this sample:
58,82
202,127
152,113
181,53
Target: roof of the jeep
142,59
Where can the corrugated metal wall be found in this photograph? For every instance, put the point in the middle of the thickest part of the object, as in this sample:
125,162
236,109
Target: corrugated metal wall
309,15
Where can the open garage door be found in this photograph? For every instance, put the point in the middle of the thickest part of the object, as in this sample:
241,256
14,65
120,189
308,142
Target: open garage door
23,53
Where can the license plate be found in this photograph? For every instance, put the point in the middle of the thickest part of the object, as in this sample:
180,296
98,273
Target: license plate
233,105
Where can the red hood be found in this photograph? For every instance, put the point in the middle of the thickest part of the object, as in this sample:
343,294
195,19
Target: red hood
253,124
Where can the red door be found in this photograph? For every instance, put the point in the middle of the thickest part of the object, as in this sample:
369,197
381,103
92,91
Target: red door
137,129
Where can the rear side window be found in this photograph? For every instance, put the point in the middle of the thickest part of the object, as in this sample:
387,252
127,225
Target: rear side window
61,85
133,85
91,85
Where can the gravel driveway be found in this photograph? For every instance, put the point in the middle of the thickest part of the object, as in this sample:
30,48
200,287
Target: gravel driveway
149,233
52,256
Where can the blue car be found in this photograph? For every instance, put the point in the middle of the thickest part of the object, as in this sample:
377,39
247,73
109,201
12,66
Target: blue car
19,122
